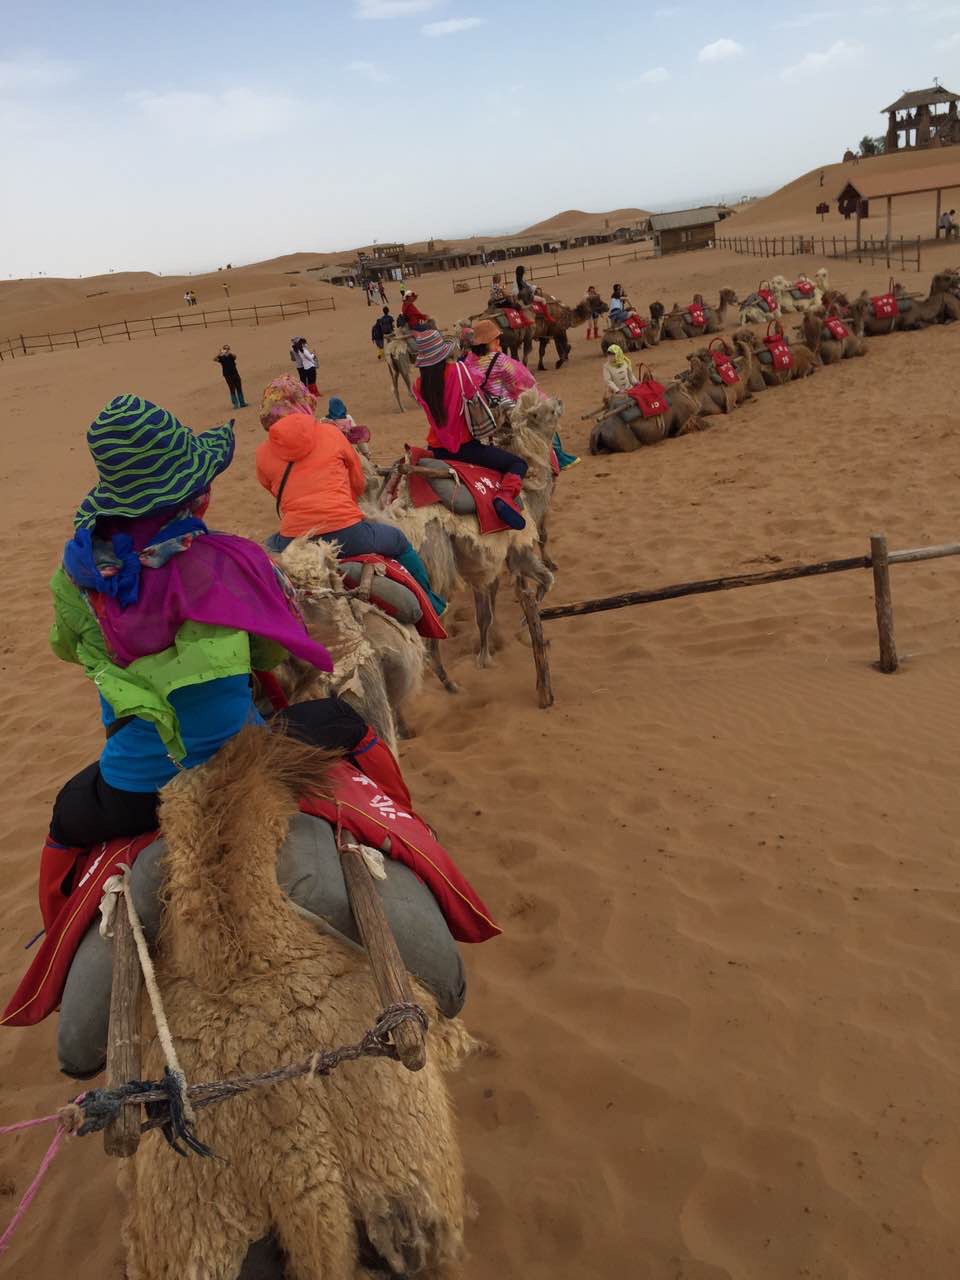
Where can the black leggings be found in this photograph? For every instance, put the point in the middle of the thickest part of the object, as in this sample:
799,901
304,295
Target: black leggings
234,384
308,376
88,810
484,455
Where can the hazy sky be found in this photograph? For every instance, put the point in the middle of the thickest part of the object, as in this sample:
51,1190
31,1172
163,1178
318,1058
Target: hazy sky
181,135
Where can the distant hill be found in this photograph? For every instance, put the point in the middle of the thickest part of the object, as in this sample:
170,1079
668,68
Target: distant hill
579,220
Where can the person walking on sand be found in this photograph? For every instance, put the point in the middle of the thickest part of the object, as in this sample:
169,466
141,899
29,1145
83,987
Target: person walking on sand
227,361
226,288
306,362
383,293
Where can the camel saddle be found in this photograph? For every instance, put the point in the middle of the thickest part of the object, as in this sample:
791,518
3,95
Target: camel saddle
481,485
394,591
697,315
541,309
764,299
836,328
369,800
650,397
634,324
802,289
724,371
885,306
777,352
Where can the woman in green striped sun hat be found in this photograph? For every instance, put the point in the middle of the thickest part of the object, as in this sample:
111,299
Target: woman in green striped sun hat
147,460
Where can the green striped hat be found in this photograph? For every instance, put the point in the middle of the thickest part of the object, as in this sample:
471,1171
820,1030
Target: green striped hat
148,460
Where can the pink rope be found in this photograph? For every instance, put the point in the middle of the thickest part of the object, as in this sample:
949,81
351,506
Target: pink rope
28,1124
29,1195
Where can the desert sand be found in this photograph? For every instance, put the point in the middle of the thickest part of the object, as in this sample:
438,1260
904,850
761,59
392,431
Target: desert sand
721,1024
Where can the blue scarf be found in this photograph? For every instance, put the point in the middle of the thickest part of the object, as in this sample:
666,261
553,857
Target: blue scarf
113,568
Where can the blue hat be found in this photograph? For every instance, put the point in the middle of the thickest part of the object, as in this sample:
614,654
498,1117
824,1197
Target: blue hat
336,409
148,460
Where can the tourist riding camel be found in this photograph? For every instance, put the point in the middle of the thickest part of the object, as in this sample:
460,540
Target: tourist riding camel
619,374
444,390
524,292
413,316
620,304
498,294
316,477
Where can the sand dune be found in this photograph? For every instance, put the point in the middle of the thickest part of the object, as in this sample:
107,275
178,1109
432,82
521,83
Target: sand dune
721,1021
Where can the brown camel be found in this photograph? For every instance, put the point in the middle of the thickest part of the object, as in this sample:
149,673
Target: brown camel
517,343
378,661
553,327
679,322
831,348
369,1154
620,335
624,428
399,361
712,393
749,344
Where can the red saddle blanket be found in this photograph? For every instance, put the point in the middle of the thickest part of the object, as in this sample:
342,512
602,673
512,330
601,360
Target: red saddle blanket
724,367
541,309
836,328
515,319
885,307
696,315
767,301
780,353
650,398
802,289
635,325
483,484
429,626
360,804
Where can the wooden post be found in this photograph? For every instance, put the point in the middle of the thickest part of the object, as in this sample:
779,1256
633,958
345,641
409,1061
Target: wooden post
256,313
531,613
122,1136
883,602
76,339
100,331
282,316
153,325
230,315
180,322
936,223
389,973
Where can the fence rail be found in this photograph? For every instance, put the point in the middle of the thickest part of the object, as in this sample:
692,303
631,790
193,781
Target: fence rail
463,284
151,327
892,252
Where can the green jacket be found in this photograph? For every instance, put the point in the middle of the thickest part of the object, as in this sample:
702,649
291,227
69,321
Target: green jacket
199,653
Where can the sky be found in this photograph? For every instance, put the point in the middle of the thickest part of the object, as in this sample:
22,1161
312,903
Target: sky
181,136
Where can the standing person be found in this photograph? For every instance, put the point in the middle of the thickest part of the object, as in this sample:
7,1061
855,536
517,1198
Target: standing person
503,378
306,362
412,313
316,477
226,288
382,292
382,329
440,391
618,373
947,225
595,303
227,361
186,297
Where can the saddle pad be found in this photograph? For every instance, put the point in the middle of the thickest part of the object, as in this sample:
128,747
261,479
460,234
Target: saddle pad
397,593
650,397
482,484
696,315
634,325
766,300
885,306
724,368
778,353
541,309
802,289
361,803
515,319
836,328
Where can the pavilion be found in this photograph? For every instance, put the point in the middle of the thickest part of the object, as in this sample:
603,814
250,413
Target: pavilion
856,195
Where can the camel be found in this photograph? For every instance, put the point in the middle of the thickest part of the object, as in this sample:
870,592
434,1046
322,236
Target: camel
712,394
759,309
625,429
790,299
517,343
818,338
751,347
378,661
553,327
678,323
399,362
366,1159
618,333
455,551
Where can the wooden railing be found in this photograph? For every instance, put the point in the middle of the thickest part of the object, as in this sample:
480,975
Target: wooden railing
464,284
906,253
153,326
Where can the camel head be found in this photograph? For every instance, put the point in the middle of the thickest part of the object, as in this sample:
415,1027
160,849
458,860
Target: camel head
746,341
728,298
780,284
822,277
537,414
811,329
698,374
657,311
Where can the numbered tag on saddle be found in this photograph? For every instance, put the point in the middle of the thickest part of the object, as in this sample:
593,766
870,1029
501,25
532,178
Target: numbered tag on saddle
515,319
766,300
724,368
885,307
541,309
696,315
781,357
802,289
650,398
635,326
836,328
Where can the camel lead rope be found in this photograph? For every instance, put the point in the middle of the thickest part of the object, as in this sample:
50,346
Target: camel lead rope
118,886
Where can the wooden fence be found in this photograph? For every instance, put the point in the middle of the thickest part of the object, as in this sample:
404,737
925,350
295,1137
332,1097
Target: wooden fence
878,559
892,252
153,326
464,284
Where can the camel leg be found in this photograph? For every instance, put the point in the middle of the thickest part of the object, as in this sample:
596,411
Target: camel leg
436,665
483,603
394,378
315,1229
496,640
543,349
404,732
544,533
563,349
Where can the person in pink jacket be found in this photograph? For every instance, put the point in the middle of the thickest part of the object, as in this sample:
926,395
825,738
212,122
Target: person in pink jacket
440,391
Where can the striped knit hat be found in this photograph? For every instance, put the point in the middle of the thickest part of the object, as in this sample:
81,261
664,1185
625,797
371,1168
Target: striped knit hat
432,347
148,460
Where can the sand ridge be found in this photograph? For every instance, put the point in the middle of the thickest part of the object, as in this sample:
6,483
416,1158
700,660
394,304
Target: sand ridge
721,1021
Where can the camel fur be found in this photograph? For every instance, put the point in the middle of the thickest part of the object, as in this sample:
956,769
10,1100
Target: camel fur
749,345
614,435
378,661
783,292
399,364
752,313
677,323
620,335
369,1153
554,328
528,431
831,350
713,396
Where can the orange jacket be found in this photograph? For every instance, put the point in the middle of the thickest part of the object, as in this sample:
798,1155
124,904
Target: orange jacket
324,482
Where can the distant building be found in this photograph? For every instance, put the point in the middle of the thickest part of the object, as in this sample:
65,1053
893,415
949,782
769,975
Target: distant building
925,117
685,228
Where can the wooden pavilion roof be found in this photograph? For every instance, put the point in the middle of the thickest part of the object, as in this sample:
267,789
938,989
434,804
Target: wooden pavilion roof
931,97
908,182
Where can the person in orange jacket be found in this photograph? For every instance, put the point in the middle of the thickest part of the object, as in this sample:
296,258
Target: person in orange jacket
315,475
